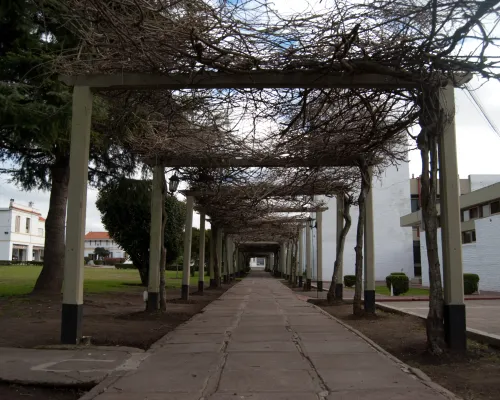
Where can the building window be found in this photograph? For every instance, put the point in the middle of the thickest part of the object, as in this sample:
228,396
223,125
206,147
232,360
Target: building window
415,206
28,220
473,214
469,237
495,207
18,224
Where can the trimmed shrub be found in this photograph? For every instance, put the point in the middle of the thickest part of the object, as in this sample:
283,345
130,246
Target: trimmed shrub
471,283
113,261
125,266
86,260
5,262
399,282
98,262
349,280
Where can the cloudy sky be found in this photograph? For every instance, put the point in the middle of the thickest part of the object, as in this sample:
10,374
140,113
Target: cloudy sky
478,146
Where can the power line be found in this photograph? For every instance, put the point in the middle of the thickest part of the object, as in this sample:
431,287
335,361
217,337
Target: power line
476,102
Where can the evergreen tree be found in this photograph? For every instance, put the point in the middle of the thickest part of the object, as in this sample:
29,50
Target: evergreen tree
35,120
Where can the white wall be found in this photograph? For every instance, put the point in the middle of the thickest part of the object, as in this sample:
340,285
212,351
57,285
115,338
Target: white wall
393,244
482,257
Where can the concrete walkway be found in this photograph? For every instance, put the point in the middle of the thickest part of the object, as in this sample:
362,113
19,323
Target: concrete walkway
260,342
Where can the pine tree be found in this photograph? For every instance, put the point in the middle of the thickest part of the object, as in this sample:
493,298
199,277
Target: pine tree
35,121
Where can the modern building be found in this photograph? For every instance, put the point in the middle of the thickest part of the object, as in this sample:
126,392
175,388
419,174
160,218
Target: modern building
22,233
102,239
480,216
393,243
257,262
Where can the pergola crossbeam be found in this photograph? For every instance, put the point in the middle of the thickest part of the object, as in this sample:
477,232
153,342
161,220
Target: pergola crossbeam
250,79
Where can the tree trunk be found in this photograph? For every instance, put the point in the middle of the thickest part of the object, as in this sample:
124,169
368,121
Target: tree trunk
51,278
339,256
365,187
163,257
427,141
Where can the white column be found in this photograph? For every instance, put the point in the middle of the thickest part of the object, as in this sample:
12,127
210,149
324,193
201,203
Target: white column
309,260
201,266
72,307
282,259
188,236
211,260
219,254
369,256
339,289
300,272
289,261
155,240
454,309
319,247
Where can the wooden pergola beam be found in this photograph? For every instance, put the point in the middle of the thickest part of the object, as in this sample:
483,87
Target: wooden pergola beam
250,79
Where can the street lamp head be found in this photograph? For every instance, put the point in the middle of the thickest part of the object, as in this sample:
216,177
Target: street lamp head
173,183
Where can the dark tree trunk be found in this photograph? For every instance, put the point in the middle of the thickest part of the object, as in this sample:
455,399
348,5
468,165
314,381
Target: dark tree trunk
163,258
431,122
51,278
339,256
365,187
143,273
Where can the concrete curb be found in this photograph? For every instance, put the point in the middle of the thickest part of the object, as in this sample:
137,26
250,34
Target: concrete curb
420,375
473,334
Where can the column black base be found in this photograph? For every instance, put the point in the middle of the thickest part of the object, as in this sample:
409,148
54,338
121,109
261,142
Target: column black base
213,283
369,296
185,292
455,328
153,302
201,286
339,291
71,323
301,283
225,279
308,285
319,285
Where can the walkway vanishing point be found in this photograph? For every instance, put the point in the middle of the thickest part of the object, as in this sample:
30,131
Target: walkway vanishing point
260,342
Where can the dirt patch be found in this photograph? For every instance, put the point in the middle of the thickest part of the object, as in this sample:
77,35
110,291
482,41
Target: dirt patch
472,376
116,318
16,392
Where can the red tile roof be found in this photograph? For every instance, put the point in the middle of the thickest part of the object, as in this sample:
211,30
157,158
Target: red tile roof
41,219
97,235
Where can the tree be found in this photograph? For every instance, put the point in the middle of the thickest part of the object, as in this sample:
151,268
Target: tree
101,252
125,209
35,121
339,254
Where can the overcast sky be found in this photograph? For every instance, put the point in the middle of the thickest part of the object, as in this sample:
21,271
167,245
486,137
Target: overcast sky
478,146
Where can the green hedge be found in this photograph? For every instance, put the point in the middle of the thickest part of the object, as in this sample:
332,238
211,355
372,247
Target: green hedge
98,262
13,262
399,282
349,280
471,283
125,266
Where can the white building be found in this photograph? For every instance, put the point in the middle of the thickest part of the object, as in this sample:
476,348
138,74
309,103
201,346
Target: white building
480,226
22,233
102,239
393,243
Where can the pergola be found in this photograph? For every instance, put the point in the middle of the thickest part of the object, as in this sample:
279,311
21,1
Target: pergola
198,64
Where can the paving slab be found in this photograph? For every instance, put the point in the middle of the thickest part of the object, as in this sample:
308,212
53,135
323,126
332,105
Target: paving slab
259,341
69,367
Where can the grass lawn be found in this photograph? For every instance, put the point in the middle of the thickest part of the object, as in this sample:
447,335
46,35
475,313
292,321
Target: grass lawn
18,280
412,292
